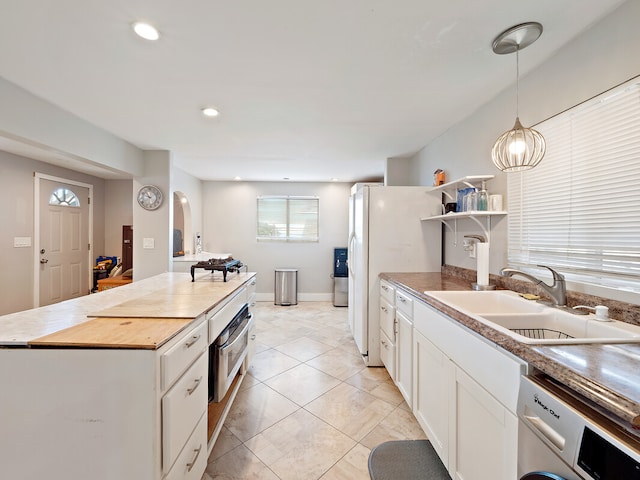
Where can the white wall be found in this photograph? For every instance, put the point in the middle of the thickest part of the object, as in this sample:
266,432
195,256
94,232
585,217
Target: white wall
118,212
230,226
17,220
155,225
600,58
29,119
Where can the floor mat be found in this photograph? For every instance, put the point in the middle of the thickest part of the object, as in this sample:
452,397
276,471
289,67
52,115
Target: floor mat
406,460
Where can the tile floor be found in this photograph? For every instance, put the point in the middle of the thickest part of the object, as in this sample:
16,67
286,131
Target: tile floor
309,408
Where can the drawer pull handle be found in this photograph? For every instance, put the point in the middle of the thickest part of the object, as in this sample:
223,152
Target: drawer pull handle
193,462
197,384
384,309
193,340
253,283
253,337
385,288
402,300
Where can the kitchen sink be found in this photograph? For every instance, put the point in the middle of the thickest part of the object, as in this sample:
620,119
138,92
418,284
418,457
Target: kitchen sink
535,323
493,301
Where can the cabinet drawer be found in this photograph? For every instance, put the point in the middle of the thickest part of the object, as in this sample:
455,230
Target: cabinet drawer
388,354
192,461
388,319
178,358
404,304
251,291
219,319
182,406
387,291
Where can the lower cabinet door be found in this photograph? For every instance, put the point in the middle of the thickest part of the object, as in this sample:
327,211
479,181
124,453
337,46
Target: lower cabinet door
432,377
485,433
192,461
404,357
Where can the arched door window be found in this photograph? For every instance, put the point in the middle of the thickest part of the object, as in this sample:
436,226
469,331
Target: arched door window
64,197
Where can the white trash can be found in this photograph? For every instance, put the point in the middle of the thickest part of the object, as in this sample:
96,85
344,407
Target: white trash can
286,286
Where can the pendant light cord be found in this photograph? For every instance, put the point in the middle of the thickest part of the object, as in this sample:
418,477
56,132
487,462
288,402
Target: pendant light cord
517,81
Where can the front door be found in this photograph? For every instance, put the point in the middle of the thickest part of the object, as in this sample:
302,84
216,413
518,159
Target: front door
64,241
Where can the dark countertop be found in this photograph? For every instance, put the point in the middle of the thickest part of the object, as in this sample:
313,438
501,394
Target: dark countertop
607,375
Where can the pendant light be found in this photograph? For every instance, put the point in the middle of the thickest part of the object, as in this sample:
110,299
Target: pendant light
520,148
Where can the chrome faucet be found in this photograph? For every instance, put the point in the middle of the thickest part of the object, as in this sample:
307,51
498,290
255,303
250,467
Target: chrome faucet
557,291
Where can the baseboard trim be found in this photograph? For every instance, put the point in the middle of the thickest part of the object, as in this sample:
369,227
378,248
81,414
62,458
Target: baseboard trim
302,297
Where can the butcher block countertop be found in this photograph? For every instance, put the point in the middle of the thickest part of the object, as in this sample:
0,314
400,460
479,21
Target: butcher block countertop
140,333
606,375
158,303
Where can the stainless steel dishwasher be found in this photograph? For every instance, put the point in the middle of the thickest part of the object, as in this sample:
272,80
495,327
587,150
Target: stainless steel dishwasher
562,437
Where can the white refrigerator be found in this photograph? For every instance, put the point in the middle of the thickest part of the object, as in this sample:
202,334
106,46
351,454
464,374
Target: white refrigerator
386,234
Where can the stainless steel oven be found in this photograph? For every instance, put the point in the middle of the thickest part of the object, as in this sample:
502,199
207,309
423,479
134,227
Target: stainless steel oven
227,353
560,437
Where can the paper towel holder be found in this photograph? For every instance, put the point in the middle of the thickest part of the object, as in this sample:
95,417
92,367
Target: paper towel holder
470,244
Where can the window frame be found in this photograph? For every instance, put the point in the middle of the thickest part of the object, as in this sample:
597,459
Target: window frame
285,231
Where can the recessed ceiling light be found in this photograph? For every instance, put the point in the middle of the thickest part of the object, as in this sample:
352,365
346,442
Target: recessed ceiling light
210,112
237,179
146,31
334,179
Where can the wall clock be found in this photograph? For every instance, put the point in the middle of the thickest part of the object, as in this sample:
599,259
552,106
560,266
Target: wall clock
149,197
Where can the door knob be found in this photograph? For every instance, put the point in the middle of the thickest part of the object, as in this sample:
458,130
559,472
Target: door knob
44,260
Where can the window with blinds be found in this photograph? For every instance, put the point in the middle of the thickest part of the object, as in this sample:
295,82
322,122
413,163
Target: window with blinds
288,219
579,210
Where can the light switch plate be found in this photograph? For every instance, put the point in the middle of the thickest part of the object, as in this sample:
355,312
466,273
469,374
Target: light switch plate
148,243
21,242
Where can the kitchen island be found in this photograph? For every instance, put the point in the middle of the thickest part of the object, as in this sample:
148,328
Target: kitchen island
114,385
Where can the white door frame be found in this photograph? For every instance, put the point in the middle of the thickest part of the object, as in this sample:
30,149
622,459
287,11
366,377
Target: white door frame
36,230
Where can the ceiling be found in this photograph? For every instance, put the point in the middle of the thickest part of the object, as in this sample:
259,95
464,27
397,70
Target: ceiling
308,91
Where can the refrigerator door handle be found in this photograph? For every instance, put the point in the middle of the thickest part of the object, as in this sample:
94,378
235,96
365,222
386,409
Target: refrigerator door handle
352,238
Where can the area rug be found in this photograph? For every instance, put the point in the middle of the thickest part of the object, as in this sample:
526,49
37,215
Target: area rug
406,460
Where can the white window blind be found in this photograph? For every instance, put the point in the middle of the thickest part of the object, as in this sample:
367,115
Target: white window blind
579,210
287,218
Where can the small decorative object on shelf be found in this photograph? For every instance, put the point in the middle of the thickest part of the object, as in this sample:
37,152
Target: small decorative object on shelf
438,177
483,198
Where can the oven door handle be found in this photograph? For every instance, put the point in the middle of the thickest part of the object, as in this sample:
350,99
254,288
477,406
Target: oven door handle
237,335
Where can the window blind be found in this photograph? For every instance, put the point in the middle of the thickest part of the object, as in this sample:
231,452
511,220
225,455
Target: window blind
579,210
287,218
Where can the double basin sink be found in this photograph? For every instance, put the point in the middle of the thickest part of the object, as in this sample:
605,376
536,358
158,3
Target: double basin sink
534,323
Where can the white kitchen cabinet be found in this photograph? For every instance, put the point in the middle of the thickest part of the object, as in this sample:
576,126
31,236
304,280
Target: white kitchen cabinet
432,373
193,458
182,407
387,318
388,327
388,354
404,345
465,394
483,433
404,356
387,291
